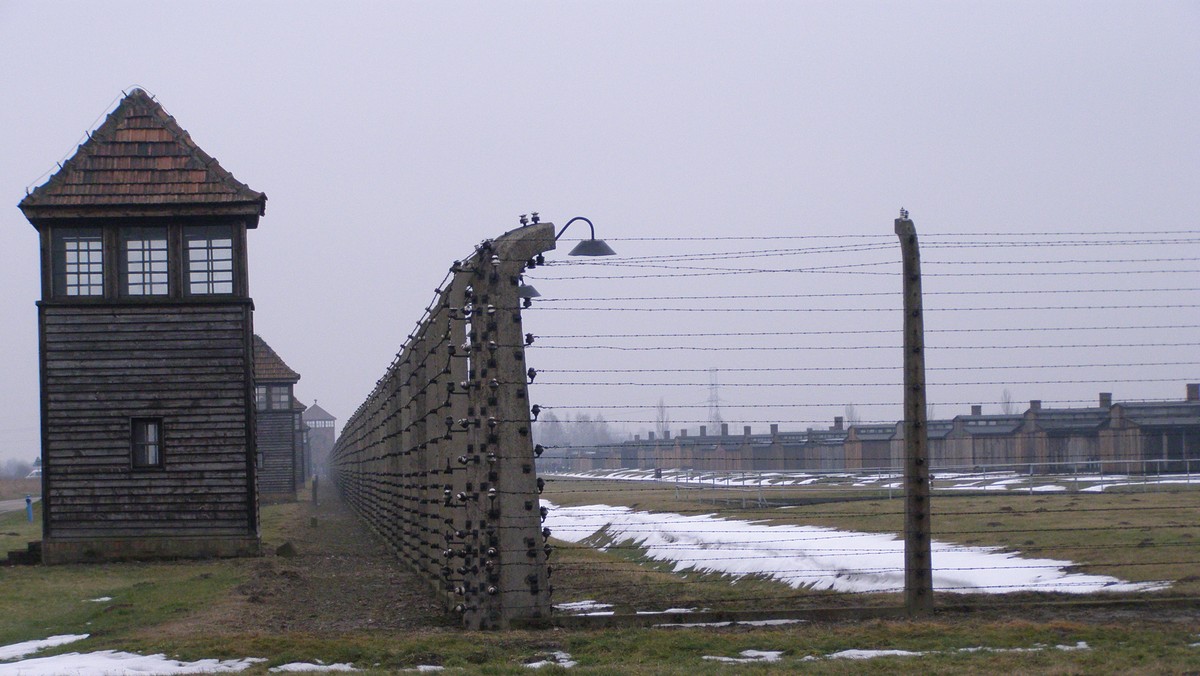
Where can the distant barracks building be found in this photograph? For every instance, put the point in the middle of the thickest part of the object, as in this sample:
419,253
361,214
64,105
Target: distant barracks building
1128,437
147,369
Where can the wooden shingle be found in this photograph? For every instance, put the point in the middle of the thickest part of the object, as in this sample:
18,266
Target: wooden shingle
141,162
269,366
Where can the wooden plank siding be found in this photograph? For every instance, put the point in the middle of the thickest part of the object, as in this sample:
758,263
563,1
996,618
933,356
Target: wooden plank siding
189,365
280,450
277,448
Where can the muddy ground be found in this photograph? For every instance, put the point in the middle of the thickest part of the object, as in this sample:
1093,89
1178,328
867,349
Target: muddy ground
337,578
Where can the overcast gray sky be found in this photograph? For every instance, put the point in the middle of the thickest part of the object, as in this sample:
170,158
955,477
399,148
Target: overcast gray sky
390,137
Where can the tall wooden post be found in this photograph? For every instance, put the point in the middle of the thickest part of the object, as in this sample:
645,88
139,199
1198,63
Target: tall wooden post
918,568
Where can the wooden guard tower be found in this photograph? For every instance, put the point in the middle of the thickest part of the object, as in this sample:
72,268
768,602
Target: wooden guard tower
320,436
145,327
279,433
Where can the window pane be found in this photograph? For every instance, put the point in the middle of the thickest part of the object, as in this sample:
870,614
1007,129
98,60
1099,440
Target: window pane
78,262
209,259
146,442
145,266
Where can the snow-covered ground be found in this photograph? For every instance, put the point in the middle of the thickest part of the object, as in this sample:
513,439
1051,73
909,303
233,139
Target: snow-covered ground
948,481
816,557
104,662
115,663
10,652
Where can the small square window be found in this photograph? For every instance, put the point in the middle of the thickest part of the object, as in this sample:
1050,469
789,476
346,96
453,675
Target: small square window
147,442
260,397
78,262
209,252
144,268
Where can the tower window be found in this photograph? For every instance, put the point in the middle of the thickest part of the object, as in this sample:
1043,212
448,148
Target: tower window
78,262
209,251
145,262
147,442
273,397
281,397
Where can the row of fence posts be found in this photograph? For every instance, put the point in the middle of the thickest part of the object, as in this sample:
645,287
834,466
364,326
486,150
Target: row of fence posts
440,461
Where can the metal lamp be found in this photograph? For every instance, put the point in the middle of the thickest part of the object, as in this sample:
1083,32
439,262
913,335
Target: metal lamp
587,247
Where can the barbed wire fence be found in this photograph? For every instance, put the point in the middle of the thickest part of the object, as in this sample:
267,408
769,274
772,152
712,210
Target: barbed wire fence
804,331
439,459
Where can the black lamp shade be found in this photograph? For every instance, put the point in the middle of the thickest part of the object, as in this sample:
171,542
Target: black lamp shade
592,247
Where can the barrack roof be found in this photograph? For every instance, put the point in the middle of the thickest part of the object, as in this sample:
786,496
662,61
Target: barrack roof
269,366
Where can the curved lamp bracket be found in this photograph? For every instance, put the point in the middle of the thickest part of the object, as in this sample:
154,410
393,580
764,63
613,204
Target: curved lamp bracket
587,247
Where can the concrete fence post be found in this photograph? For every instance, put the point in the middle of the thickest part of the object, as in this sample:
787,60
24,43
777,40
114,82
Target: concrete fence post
439,459
918,566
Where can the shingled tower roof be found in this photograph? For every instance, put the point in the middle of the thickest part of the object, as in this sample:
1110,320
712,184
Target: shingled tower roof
140,162
268,366
315,412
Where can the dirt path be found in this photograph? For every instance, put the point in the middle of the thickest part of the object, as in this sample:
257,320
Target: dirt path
14,505
340,579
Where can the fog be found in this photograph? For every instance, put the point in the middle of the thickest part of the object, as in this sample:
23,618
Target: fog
392,137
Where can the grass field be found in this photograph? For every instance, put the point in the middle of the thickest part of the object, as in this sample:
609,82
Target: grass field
152,605
12,489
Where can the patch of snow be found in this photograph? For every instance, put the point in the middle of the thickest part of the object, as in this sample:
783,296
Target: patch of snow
580,607
111,662
1081,645
701,478
1009,482
748,656
11,652
102,599
305,666
868,654
740,623
558,658
818,557
1123,482
959,481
